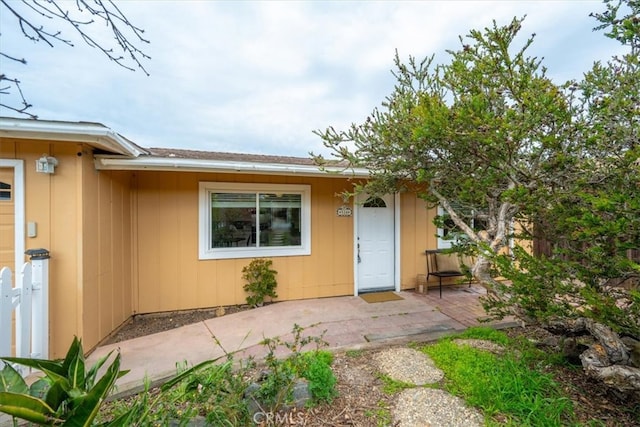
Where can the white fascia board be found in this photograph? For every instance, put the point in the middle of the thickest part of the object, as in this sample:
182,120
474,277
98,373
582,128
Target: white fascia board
103,162
95,134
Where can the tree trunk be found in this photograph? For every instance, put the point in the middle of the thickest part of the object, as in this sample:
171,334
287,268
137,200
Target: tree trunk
481,271
608,360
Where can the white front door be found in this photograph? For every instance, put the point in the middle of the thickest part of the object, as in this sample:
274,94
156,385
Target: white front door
375,243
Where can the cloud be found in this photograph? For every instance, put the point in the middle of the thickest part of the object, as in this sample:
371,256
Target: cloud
261,76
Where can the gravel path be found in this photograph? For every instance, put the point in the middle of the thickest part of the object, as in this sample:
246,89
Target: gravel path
408,365
422,406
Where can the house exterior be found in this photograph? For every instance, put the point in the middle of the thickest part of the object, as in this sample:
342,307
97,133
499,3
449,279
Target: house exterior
133,230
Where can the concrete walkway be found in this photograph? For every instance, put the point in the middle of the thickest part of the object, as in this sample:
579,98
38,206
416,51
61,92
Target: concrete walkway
347,322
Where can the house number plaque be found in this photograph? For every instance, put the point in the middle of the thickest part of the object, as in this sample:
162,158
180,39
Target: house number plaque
344,211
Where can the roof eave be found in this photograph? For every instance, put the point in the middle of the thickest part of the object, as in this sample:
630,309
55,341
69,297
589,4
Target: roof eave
94,134
104,162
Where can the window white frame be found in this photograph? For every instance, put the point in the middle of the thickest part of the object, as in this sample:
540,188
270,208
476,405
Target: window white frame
448,243
204,237
442,243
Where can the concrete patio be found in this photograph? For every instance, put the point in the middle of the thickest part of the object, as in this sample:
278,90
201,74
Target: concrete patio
344,322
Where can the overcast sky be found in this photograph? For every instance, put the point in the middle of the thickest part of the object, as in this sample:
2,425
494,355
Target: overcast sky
259,77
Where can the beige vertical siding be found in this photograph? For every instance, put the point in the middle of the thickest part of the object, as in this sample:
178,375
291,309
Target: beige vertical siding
127,242
417,233
169,275
106,250
83,218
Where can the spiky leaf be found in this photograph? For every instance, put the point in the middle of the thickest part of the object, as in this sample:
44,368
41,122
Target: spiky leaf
11,380
88,409
27,408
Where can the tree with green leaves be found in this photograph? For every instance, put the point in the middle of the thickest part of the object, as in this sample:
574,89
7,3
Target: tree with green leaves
489,134
586,283
479,133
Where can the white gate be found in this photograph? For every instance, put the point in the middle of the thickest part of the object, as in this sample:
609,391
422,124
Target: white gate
28,298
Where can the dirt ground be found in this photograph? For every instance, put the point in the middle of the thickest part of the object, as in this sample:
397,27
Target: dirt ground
361,397
147,324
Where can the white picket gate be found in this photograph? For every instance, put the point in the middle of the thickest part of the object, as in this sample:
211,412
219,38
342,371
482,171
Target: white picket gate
29,299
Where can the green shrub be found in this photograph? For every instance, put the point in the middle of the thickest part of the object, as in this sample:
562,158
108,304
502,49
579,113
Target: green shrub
260,281
277,387
218,392
317,370
219,389
211,389
314,366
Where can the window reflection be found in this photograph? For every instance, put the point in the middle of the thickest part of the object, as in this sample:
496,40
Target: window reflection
234,222
5,191
280,219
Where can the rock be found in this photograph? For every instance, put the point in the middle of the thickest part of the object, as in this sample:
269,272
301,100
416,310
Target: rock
250,396
552,341
301,393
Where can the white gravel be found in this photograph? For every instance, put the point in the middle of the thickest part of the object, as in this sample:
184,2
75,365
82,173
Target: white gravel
408,365
423,407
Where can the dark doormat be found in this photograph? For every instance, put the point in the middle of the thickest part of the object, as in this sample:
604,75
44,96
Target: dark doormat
380,297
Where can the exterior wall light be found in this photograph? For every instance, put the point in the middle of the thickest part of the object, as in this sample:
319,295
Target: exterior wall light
46,164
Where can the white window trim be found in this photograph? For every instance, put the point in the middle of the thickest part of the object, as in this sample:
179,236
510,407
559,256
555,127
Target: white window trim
445,243
442,244
204,233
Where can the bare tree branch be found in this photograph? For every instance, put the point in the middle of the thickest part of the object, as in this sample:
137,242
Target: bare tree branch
30,13
109,17
21,60
25,104
30,30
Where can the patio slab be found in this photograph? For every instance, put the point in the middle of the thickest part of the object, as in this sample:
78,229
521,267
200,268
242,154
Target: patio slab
345,322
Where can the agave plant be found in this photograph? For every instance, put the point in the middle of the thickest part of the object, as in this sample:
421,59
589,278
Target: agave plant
67,394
